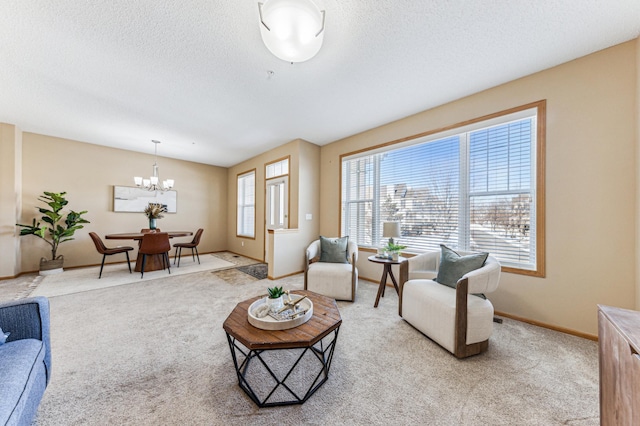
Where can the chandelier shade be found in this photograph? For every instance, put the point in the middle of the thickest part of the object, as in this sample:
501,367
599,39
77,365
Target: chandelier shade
293,30
152,184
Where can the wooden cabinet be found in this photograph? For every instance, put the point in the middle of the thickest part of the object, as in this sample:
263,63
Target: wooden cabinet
619,346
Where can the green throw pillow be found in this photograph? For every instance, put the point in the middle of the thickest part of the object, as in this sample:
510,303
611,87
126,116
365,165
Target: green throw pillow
334,250
453,266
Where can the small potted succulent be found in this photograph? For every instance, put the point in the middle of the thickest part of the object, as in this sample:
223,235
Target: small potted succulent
274,298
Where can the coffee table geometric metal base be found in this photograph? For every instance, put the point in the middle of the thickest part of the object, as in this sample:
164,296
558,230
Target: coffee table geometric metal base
283,367
282,376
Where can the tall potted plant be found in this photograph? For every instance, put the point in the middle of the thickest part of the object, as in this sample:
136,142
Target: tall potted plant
52,231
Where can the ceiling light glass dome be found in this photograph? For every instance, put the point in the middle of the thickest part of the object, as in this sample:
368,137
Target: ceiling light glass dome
293,30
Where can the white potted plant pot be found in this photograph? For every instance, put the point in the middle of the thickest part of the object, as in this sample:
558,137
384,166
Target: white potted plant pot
274,304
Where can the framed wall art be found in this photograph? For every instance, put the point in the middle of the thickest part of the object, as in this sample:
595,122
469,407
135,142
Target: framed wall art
133,199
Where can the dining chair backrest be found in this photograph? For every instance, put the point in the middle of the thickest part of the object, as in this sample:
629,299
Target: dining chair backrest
196,238
155,243
98,242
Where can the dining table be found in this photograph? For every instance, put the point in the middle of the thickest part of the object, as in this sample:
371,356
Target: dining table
153,262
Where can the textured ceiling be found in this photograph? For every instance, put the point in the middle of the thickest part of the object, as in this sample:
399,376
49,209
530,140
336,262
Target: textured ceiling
194,73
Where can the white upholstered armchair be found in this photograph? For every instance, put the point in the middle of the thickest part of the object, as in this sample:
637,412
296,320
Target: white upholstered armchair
455,318
337,280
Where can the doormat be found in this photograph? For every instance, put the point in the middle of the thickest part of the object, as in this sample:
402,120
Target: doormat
258,270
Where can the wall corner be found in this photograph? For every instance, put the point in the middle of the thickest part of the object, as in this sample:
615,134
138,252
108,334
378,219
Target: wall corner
10,198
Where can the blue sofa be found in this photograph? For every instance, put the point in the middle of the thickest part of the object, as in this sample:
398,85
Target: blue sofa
25,359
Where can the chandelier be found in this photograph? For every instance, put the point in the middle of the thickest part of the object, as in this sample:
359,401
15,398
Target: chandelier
151,184
293,30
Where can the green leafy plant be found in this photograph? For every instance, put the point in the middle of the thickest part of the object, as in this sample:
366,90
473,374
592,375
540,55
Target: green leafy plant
52,231
154,211
394,247
275,292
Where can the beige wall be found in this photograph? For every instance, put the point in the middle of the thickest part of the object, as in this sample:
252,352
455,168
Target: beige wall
255,247
88,172
637,117
592,136
309,198
10,198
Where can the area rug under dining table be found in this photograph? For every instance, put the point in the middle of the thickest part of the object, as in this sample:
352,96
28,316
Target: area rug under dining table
85,279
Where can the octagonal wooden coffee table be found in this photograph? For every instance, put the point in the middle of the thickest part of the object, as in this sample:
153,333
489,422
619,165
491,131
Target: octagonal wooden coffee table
283,367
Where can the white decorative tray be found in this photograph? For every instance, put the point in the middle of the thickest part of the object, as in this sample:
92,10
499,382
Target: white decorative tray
270,323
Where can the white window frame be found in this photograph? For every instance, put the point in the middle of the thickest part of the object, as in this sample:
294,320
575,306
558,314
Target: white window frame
277,168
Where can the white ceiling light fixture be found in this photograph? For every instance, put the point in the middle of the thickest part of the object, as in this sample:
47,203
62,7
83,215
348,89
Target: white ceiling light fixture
293,30
152,183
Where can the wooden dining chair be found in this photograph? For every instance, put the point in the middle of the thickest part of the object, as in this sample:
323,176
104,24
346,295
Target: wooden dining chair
155,243
193,245
106,251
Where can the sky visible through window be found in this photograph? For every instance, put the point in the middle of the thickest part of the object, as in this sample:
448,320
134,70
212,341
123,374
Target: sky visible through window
493,154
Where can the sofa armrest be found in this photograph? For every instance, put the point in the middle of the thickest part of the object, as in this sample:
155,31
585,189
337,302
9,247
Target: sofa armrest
313,250
28,319
352,252
485,279
421,266
424,262
404,272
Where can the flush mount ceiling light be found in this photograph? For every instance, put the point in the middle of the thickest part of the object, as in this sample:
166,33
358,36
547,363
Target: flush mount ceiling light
292,30
152,184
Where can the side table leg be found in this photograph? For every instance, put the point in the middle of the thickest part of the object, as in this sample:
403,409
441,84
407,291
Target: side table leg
383,282
386,276
393,280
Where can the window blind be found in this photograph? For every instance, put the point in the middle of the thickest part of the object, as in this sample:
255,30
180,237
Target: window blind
472,190
246,204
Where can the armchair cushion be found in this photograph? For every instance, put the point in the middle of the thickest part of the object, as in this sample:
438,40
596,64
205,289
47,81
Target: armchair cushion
334,250
431,308
453,266
334,279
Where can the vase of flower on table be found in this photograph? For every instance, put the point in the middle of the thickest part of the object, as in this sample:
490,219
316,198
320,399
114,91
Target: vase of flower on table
154,211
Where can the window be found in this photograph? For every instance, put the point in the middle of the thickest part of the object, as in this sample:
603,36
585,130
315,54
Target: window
277,197
277,168
246,204
474,187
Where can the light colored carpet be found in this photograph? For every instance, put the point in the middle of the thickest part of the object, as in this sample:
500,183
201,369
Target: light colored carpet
85,279
155,353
